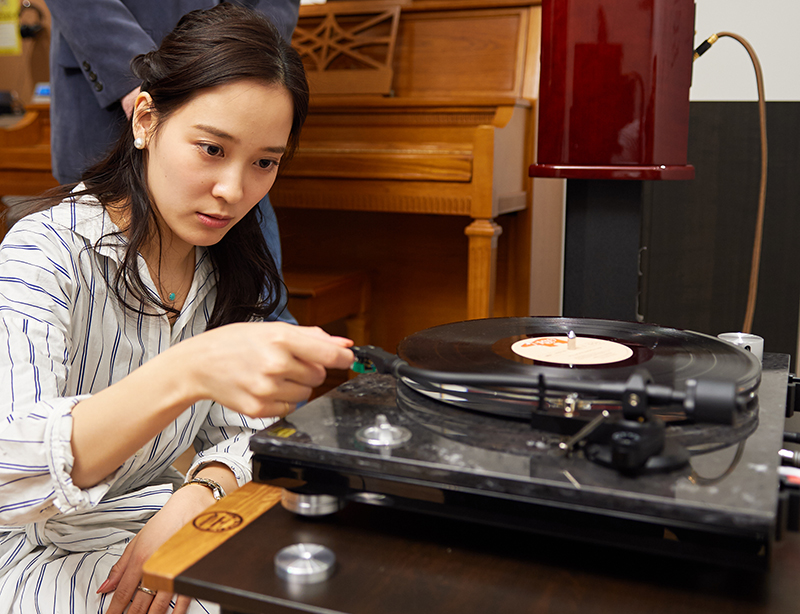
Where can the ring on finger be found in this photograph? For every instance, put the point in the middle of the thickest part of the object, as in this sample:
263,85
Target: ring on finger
144,589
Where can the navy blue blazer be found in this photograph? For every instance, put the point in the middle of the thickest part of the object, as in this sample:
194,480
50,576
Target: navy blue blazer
92,45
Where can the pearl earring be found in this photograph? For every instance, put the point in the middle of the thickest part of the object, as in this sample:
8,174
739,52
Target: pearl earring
138,142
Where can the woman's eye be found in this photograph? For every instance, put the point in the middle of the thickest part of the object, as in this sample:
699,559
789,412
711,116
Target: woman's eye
211,150
264,163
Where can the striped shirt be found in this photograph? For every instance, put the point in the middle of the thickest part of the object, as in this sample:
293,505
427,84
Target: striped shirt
63,336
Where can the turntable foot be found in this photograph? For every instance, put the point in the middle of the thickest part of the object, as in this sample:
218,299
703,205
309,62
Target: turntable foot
306,504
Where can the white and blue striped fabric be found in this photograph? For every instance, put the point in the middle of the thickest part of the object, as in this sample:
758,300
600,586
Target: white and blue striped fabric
64,335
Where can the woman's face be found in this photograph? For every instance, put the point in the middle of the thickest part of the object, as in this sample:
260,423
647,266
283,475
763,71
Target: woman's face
213,159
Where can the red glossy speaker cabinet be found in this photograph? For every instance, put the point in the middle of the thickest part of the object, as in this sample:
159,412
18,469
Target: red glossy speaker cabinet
614,90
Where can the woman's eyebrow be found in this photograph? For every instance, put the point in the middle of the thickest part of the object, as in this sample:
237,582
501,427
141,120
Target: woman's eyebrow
215,131
224,135
274,149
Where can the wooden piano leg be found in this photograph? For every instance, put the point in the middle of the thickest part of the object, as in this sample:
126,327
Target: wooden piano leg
482,267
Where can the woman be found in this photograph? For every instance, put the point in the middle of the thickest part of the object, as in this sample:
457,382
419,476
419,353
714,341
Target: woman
129,330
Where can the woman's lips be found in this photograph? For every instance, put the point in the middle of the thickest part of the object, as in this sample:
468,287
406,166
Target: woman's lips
213,222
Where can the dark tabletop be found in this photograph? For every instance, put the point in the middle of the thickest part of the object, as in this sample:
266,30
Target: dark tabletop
398,562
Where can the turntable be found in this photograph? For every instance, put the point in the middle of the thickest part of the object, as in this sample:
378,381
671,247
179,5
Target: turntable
625,434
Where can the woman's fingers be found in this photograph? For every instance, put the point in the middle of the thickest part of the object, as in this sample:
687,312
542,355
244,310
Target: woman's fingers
125,593
116,582
329,352
181,604
143,602
261,369
117,570
279,344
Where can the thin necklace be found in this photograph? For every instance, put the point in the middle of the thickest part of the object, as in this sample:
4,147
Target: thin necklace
172,295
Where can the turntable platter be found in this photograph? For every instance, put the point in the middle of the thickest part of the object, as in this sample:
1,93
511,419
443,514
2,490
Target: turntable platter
670,356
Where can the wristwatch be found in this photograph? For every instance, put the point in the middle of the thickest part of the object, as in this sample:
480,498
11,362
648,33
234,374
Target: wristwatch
215,488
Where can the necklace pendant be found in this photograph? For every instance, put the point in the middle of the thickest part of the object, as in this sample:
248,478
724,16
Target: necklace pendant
171,296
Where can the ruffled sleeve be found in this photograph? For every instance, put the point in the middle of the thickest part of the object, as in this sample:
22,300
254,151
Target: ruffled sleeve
39,281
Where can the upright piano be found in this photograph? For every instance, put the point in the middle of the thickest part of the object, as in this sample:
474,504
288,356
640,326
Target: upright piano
413,161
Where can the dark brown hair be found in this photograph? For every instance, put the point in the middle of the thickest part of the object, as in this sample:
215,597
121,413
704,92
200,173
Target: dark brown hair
207,48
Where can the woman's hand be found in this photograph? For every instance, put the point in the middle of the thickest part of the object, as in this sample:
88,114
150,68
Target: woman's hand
126,575
261,369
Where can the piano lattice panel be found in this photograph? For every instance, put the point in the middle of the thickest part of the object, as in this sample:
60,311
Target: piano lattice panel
348,51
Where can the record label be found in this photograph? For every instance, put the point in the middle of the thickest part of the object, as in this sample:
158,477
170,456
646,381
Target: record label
578,351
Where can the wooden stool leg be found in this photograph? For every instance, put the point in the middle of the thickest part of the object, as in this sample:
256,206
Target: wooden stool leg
358,324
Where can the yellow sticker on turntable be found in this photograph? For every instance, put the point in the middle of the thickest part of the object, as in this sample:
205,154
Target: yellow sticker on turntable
585,350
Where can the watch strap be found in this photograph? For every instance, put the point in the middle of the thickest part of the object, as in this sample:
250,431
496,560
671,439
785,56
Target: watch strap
215,488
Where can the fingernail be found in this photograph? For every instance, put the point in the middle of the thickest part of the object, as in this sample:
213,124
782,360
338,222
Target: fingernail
103,586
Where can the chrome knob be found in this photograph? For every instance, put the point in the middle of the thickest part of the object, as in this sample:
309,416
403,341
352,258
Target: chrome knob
382,434
305,563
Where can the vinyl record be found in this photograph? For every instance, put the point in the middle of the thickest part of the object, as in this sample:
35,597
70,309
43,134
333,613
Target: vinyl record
670,356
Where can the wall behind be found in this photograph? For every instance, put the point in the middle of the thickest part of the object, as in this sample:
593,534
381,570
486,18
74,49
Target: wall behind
699,234
725,71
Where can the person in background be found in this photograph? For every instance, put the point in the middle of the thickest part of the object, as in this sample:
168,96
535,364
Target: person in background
93,88
132,328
